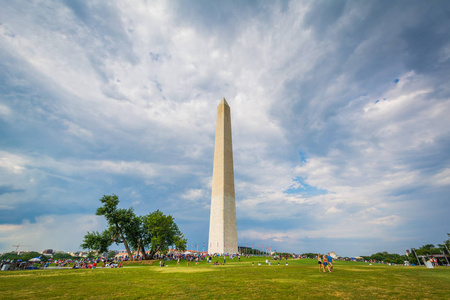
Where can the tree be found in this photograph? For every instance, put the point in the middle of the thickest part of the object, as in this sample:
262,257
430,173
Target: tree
99,242
10,256
29,255
161,232
310,255
111,254
387,257
62,255
24,256
118,220
155,231
427,250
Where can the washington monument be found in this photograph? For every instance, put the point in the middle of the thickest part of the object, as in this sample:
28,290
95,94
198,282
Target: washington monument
222,224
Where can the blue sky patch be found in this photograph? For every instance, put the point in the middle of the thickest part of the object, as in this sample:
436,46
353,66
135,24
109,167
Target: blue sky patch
302,157
304,189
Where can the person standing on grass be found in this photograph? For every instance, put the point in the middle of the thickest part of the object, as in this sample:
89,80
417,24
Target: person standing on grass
319,261
330,262
325,264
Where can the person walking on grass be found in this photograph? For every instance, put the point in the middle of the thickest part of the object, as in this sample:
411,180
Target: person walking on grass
319,261
325,264
330,262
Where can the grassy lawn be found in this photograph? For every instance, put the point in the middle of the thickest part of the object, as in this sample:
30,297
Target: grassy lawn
236,280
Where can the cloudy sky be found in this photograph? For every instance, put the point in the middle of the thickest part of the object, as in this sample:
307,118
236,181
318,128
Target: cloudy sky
340,117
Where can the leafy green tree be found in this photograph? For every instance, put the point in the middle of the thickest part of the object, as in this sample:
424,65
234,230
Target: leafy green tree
62,255
118,220
111,254
29,255
24,256
99,242
412,259
154,231
161,232
10,256
91,255
137,236
427,250
387,257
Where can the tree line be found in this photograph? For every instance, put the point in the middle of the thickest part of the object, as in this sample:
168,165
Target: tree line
32,254
428,249
152,233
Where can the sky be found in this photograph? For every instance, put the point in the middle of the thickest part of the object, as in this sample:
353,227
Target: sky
340,119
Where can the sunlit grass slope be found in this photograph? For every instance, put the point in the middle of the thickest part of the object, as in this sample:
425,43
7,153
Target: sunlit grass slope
236,280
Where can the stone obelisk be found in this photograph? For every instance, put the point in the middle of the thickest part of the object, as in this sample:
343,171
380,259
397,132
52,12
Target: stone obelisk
222,224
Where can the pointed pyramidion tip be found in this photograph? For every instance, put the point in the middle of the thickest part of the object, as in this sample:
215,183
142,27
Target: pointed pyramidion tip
223,102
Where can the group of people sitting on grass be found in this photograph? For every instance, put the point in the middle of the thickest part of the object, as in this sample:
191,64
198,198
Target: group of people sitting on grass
8,264
93,265
325,261
62,263
97,263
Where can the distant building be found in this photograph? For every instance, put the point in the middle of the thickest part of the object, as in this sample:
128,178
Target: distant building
48,252
79,253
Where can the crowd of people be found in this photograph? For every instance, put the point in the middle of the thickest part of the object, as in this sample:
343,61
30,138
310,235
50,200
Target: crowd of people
196,258
82,263
16,265
96,263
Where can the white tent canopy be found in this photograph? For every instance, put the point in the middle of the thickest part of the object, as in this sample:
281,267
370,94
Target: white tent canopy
35,259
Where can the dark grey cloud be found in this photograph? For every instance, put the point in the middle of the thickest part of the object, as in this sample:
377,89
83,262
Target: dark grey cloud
323,14
425,39
430,159
224,20
7,189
